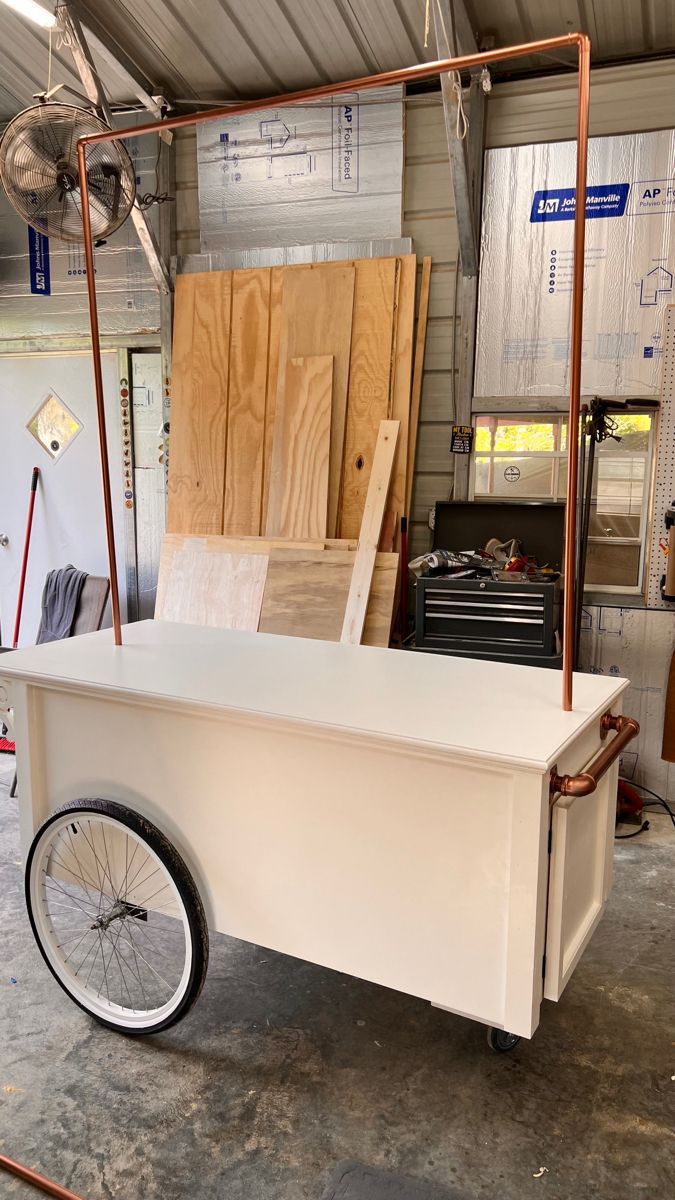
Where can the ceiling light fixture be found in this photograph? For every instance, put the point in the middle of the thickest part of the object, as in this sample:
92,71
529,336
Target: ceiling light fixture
33,12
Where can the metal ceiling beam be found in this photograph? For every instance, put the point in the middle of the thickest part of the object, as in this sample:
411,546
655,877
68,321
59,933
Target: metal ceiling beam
446,45
111,51
70,24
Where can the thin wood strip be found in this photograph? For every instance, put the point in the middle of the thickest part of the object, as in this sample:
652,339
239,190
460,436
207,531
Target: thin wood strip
402,377
249,339
418,374
370,370
298,496
317,308
371,528
277,275
199,401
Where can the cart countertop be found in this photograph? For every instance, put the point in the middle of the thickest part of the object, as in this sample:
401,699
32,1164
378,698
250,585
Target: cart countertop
496,711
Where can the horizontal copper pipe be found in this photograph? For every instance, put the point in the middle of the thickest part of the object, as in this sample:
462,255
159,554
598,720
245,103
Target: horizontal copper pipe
585,783
403,75
384,79
38,1181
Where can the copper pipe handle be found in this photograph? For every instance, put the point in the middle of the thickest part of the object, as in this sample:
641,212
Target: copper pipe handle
582,785
38,1181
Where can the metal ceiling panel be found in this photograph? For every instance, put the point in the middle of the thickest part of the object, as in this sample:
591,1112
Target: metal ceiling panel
226,49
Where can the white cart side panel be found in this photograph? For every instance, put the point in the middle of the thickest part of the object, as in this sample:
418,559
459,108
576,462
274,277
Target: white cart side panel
415,873
582,839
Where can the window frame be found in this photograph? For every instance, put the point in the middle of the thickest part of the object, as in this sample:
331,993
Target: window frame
556,456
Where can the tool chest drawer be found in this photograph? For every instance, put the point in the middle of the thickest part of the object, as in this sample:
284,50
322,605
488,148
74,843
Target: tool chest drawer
483,615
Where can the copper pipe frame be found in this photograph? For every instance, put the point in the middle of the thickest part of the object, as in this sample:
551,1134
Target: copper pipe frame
38,1181
626,729
403,75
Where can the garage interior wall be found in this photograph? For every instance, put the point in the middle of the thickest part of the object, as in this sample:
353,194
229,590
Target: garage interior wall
624,99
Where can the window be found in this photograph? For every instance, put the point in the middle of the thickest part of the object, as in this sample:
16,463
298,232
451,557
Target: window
521,457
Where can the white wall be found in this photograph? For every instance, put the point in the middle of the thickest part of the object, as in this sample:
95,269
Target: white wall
68,526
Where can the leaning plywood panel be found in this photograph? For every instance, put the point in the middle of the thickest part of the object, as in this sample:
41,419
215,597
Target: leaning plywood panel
298,496
371,528
306,595
199,403
369,382
246,402
224,591
418,374
276,296
402,377
316,319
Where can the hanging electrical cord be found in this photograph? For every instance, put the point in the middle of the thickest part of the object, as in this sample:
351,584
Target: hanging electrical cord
149,198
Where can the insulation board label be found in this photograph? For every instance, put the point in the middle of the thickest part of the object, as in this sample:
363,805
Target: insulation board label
322,172
526,268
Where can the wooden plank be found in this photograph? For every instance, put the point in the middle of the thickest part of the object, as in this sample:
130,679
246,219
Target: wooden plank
369,382
276,297
224,591
306,595
249,339
371,528
172,543
316,319
298,496
402,378
199,403
418,374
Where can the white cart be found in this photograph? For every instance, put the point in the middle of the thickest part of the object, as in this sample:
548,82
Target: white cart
386,814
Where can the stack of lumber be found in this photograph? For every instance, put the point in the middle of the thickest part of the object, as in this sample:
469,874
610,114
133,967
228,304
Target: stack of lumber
333,589
281,377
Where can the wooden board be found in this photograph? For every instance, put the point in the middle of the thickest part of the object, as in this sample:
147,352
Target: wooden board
276,296
249,336
668,744
369,382
316,319
418,374
402,378
199,403
371,528
224,591
298,495
306,595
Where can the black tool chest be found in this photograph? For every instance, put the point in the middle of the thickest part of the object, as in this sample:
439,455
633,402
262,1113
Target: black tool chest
483,617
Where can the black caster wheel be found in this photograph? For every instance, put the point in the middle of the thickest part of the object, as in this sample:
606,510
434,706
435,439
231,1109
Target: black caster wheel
501,1041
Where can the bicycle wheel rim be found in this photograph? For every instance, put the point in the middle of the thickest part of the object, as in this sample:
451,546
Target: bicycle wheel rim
108,960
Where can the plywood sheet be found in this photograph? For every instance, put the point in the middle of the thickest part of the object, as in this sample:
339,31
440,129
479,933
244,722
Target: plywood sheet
199,403
371,528
249,337
221,590
418,374
298,497
316,319
306,595
370,371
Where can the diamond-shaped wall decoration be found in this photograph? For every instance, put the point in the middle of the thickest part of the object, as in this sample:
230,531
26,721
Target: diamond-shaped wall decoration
54,426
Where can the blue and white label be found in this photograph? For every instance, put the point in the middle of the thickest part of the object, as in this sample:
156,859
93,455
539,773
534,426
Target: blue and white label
38,258
559,204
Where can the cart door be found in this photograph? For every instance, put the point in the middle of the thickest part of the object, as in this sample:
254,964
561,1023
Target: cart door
580,877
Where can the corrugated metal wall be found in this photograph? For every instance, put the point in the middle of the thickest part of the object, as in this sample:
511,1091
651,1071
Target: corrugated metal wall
624,99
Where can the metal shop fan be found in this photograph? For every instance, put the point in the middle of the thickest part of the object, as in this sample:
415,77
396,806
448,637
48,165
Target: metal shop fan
38,168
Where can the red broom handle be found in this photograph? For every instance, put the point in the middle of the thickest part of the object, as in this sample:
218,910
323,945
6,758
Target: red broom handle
24,564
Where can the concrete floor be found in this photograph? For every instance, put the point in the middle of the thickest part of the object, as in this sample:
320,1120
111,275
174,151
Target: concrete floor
284,1069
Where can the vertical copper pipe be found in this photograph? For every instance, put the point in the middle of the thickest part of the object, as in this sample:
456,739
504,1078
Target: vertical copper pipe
98,385
401,75
570,581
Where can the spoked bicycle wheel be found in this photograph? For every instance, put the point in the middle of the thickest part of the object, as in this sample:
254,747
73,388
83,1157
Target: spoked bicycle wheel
117,916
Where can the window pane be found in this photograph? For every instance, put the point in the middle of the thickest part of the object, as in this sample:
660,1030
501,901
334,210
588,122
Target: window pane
515,478
611,564
633,429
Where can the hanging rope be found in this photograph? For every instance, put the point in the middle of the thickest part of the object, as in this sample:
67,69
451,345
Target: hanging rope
461,121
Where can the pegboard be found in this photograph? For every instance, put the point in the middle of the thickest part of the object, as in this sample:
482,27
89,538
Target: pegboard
664,474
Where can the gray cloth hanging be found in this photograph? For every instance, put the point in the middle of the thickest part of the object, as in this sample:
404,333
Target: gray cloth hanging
60,599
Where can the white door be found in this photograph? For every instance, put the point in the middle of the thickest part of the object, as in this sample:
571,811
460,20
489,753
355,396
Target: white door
580,878
68,526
